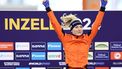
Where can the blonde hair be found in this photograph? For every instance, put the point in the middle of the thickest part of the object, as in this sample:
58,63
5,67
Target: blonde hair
68,19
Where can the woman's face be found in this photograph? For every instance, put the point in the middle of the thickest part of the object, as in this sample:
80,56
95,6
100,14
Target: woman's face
77,30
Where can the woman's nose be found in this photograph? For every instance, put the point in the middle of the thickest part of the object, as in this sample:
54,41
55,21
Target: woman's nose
79,29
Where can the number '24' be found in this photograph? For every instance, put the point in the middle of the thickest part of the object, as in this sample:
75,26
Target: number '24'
88,23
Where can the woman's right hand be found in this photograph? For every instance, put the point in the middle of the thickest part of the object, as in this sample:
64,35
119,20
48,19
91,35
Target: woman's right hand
46,3
104,3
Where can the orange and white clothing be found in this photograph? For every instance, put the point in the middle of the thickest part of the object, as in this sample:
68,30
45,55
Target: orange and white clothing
76,48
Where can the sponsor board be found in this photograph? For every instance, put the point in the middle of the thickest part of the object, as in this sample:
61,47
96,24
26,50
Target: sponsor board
101,46
38,55
90,56
96,63
38,68
89,67
101,67
6,46
117,63
116,67
64,67
22,68
22,56
116,55
101,55
6,56
54,68
11,63
22,46
6,68
39,63
54,45
38,46
115,45
62,63
54,56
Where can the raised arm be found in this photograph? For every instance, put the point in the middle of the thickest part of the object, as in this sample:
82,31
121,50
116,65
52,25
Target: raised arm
56,25
98,20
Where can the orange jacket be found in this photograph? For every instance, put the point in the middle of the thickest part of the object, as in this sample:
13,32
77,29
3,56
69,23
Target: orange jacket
76,48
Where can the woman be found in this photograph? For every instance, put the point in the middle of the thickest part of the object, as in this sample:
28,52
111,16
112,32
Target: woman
76,45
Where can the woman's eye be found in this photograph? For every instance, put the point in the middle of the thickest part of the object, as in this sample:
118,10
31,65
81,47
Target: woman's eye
76,27
80,26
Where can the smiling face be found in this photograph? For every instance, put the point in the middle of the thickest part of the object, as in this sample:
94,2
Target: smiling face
77,30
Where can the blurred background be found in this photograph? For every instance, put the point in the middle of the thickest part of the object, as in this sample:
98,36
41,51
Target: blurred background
58,5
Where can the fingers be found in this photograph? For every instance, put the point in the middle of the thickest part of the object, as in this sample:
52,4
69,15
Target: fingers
44,0
106,0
